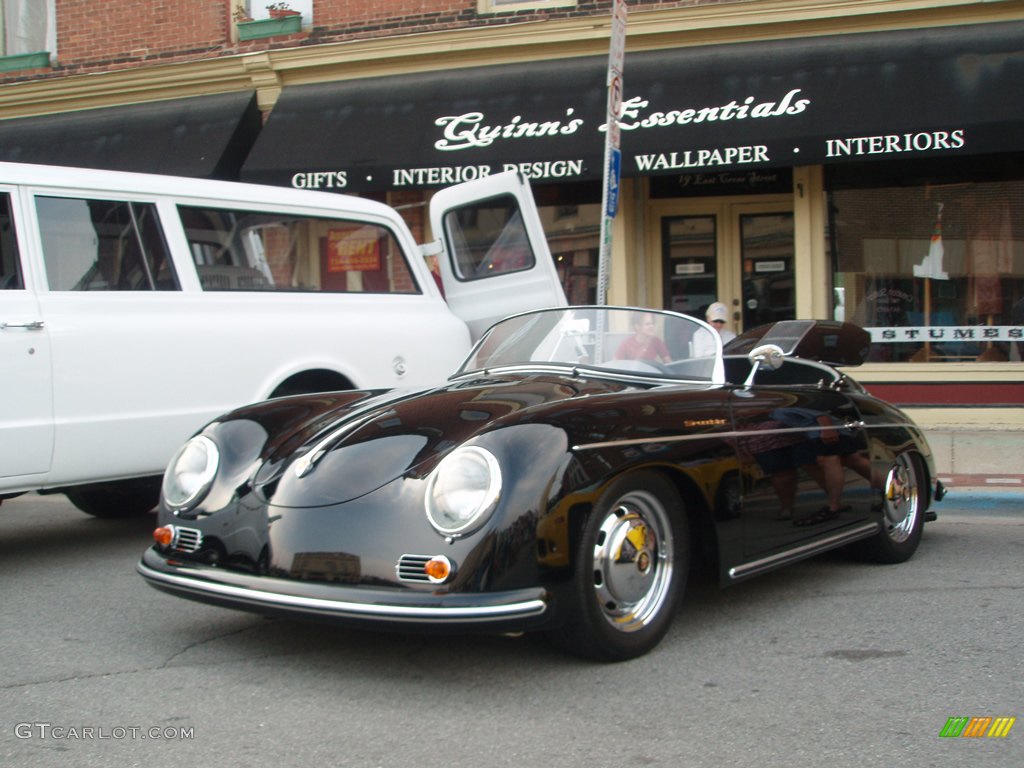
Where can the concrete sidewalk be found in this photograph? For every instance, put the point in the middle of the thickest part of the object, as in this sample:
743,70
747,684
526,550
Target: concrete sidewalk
978,458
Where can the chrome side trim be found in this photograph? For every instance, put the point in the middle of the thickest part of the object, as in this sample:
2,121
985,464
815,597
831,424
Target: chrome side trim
731,434
580,369
339,608
799,553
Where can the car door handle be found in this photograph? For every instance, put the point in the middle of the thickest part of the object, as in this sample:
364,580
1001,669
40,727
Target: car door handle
28,325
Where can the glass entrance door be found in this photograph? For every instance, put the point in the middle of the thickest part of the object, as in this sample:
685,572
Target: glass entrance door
768,284
740,253
689,263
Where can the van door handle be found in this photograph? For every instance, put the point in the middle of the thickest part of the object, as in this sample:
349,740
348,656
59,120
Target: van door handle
28,325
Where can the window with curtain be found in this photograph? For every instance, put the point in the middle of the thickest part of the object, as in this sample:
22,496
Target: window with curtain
27,26
508,6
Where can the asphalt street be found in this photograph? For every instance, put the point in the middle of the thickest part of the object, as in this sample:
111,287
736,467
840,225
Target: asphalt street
830,662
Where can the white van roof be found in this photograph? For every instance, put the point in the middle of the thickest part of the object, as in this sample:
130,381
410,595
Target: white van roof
183,186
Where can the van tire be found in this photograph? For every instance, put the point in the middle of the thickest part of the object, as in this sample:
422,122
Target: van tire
311,382
126,498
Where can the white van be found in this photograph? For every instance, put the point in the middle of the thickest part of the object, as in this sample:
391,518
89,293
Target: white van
135,308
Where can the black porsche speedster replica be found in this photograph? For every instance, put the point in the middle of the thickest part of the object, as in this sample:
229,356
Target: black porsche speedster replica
563,480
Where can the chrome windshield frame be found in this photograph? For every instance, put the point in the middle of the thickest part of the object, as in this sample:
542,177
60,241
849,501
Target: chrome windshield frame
582,332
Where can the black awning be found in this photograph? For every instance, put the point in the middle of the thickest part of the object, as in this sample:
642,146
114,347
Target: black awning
903,94
201,136
382,133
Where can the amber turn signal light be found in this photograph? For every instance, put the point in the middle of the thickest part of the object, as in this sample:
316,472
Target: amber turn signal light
438,569
164,535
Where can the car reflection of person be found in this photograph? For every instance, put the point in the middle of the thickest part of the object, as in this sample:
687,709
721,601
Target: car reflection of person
717,315
835,448
644,344
779,452
793,438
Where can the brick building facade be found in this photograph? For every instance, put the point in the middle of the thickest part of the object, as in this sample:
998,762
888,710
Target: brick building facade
764,145
91,38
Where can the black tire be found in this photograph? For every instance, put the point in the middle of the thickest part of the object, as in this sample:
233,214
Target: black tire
903,509
118,499
630,571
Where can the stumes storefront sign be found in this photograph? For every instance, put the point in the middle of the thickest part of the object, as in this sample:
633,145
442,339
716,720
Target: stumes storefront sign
946,333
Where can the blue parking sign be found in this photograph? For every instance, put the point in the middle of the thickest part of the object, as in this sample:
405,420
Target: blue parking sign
612,190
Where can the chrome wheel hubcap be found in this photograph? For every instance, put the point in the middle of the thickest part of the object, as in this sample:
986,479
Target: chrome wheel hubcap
901,499
633,561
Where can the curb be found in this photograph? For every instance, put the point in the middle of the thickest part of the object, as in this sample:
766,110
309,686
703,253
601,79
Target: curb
982,499
961,480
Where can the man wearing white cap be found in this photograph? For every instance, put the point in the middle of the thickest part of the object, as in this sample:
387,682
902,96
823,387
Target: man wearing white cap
717,315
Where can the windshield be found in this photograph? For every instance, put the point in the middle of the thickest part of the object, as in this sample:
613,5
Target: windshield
637,342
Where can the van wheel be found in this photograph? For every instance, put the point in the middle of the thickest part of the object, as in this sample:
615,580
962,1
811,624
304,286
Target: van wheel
312,382
119,499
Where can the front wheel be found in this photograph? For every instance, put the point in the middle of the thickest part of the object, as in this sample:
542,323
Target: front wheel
630,571
903,515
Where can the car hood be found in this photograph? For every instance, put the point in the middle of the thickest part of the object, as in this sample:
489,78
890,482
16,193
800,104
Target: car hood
322,450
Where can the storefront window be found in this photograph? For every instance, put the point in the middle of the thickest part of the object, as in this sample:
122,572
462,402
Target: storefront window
934,272
574,237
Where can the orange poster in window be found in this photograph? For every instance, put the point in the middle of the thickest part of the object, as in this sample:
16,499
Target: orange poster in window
353,251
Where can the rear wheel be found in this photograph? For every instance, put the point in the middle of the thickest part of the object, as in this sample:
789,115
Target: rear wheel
117,499
630,572
903,515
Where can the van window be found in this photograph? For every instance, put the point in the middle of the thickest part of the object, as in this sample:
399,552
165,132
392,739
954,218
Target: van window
103,245
258,251
10,263
488,239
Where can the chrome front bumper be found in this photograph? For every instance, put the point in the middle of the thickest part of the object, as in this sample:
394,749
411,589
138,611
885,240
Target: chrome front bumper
347,604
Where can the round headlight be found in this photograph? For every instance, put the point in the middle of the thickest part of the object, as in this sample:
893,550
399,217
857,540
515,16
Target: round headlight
463,490
190,474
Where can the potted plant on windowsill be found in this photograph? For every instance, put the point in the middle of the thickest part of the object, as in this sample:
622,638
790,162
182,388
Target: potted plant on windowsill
283,21
281,10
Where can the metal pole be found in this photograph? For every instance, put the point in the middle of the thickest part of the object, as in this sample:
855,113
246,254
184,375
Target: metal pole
612,154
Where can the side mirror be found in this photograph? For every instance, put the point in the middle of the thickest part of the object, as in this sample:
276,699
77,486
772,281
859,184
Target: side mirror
764,356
